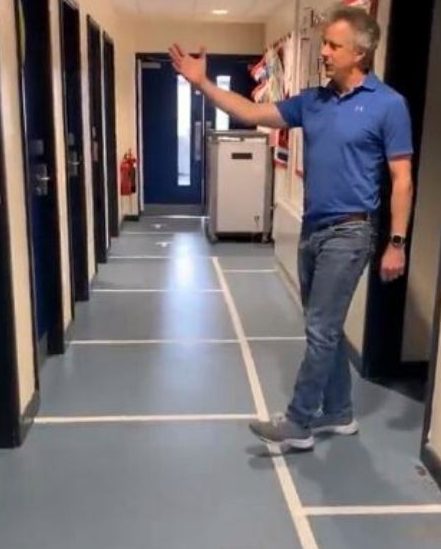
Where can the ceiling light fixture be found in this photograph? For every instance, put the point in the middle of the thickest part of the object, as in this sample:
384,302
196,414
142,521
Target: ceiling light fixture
219,12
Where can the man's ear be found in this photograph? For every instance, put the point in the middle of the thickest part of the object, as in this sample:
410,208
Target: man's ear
361,56
363,59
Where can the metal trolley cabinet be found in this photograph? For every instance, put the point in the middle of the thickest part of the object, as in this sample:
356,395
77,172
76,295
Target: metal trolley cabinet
239,184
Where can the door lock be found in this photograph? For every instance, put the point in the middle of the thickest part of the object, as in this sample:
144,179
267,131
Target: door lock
73,164
41,180
41,186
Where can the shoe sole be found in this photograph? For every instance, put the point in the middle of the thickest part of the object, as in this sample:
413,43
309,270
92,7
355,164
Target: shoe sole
298,444
346,430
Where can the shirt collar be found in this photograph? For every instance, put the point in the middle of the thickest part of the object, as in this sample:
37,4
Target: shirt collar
370,83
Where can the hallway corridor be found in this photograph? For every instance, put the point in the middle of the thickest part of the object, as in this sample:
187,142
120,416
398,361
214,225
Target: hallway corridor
142,439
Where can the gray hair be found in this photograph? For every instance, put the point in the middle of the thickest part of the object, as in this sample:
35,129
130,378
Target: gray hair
367,30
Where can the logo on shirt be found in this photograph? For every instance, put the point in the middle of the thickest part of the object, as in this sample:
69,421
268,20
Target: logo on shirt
359,108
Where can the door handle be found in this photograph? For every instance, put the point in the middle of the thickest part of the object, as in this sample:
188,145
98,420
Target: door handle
41,186
73,166
73,162
198,141
41,179
95,151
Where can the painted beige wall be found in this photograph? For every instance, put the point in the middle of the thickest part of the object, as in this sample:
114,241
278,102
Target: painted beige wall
158,35
15,188
426,239
282,22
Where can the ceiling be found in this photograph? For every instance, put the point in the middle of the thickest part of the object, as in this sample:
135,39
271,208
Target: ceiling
239,11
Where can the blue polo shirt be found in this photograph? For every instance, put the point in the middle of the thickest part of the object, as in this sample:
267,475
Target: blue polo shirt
347,140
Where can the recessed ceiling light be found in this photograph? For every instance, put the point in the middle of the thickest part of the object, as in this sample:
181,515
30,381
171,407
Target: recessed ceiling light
219,12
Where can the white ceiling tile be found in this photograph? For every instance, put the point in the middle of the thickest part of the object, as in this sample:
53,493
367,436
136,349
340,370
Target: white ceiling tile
235,7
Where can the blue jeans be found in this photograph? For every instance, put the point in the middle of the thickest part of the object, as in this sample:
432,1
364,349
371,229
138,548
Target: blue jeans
330,263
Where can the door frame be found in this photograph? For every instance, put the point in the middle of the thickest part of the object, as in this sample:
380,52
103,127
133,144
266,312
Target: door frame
385,304
98,187
110,135
431,460
84,293
9,391
139,133
55,335
429,457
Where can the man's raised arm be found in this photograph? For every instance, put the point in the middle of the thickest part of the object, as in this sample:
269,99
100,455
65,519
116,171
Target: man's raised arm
194,69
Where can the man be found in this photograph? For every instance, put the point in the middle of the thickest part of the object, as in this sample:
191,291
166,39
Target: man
353,128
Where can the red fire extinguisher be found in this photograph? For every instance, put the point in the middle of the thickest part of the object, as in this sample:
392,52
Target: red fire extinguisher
128,174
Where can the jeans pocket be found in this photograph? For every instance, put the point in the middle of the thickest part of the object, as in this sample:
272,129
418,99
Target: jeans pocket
355,236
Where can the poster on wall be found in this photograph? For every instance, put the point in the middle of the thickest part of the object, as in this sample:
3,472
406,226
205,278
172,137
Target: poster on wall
274,75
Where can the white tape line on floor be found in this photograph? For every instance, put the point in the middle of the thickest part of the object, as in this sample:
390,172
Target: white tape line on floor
67,420
298,515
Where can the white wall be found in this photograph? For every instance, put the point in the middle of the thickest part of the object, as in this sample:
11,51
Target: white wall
426,238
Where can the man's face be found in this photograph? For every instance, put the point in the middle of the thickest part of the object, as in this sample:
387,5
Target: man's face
339,52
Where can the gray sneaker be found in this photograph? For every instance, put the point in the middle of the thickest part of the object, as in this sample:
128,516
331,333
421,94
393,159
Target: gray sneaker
337,426
281,430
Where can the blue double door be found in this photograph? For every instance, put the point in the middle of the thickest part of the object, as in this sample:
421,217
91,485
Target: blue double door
175,120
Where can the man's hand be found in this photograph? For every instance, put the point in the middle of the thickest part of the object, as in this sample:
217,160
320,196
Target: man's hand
393,263
193,69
